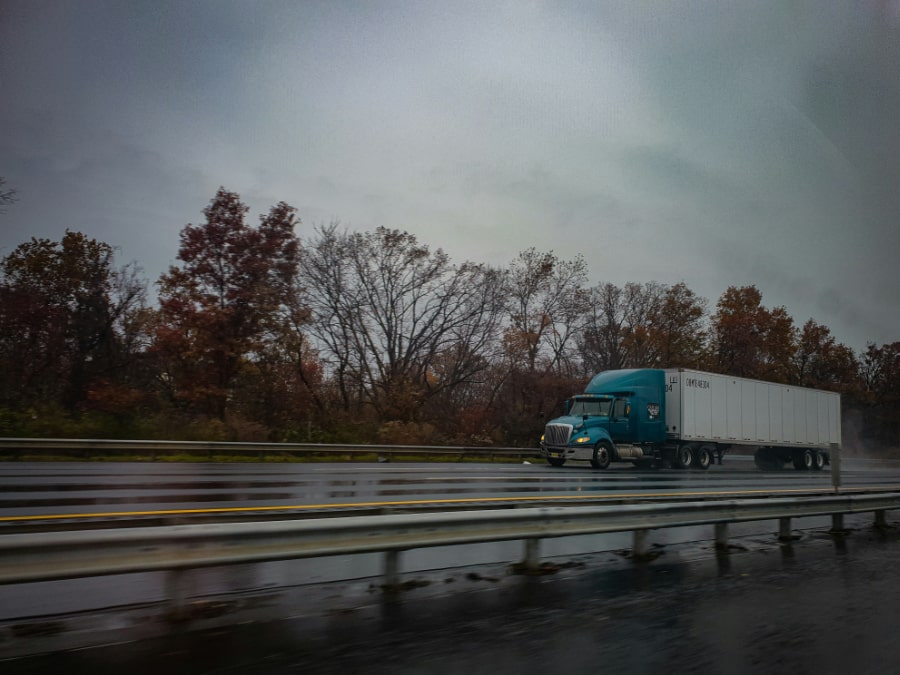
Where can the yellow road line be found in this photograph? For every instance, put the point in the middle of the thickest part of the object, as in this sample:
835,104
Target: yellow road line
423,502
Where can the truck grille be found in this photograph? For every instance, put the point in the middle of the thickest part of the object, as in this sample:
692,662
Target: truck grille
557,434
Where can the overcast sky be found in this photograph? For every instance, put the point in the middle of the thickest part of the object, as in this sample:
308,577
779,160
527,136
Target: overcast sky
713,143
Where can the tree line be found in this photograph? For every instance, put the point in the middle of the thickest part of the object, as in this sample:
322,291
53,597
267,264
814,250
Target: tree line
369,337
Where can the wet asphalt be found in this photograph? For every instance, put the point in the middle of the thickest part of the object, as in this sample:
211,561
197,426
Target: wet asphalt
823,604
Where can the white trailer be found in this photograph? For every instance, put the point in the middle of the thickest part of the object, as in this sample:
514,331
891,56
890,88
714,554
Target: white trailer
786,423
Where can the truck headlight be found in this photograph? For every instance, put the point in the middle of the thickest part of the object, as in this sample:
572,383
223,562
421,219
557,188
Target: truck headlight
582,439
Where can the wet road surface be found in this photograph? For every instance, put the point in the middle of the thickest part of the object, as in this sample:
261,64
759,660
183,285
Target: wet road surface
114,492
820,605
42,491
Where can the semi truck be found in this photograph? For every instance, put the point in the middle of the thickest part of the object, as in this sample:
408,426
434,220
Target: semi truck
684,419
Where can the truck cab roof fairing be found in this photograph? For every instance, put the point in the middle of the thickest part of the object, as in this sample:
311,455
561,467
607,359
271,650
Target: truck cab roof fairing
626,382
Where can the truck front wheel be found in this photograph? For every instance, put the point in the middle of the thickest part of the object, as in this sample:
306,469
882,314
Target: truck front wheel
602,455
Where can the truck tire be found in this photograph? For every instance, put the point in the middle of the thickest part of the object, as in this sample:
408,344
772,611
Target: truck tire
803,460
808,460
684,457
556,461
818,460
602,455
703,457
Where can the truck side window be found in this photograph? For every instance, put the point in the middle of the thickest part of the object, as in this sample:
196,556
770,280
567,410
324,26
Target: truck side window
619,410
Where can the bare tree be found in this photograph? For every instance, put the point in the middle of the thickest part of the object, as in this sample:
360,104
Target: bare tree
619,331
7,196
546,305
395,322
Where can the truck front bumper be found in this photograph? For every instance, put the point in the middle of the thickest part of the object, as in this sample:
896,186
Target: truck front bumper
551,452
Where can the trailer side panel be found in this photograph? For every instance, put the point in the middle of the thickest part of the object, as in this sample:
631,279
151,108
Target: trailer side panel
732,410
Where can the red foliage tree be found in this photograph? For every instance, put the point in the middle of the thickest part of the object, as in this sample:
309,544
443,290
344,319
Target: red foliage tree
61,310
233,290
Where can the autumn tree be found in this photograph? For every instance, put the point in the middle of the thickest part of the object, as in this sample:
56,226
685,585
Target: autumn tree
880,371
233,290
64,310
822,363
748,340
678,331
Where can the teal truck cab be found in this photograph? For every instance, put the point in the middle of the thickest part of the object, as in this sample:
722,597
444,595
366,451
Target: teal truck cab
687,418
619,417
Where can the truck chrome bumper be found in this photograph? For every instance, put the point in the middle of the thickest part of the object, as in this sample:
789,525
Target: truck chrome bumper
554,452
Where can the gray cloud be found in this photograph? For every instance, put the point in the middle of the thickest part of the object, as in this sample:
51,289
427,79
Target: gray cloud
715,143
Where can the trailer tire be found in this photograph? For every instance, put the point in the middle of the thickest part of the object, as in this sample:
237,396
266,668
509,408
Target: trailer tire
818,460
803,460
684,457
556,461
808,460
702,458
602,455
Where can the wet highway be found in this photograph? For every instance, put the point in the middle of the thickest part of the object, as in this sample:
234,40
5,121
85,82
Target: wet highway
105,610
35,494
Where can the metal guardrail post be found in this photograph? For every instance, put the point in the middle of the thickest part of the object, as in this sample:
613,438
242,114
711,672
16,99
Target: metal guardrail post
835,459
721,536
391,568
177,583
837,523
784,529
880,521
639,546
532,554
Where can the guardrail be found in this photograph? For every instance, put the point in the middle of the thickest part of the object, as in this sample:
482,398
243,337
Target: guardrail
18,446
62,555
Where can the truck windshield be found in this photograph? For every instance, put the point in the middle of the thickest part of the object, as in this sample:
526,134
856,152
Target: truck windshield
590,407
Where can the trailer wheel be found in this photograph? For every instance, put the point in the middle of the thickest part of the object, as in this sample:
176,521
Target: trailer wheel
602,455
808,460
803,460
818,460
684,456
556,461
702,458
